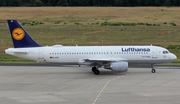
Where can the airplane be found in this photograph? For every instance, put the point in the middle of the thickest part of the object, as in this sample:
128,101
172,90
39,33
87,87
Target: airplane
115,58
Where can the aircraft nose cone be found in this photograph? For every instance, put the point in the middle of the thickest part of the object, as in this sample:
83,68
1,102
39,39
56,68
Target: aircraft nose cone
174,57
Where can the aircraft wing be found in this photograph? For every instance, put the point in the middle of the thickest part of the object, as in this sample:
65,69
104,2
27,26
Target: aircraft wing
104,59
100,61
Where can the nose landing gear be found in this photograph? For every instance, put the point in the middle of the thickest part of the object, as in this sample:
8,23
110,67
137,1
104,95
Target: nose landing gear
153,70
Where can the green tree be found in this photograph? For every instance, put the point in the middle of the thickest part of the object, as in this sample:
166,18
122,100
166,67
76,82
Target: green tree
167,3
126,3
4,2
27,3
175,3
157,2
133,2
38,3
52,2
119,2
89,2
45,2
62,3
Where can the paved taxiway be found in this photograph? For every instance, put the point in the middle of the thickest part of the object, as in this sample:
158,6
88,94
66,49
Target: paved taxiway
78,85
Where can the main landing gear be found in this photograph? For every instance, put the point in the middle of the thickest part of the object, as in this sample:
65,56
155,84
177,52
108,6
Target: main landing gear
95,70
153,70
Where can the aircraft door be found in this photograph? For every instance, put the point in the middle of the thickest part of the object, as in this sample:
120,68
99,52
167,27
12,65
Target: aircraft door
154,53
41,53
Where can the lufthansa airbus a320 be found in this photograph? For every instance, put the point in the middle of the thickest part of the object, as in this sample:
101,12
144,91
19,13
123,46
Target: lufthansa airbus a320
115,58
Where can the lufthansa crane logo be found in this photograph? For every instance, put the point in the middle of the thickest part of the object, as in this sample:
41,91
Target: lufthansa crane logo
18,34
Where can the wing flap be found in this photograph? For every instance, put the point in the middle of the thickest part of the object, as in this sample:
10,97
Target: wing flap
104,59
99,61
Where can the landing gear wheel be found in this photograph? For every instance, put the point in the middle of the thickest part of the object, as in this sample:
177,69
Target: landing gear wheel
95,70
153,71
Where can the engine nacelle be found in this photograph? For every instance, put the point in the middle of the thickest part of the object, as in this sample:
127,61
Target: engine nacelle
119,66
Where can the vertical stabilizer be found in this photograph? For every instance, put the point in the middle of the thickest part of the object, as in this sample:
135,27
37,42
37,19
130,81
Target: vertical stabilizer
20,38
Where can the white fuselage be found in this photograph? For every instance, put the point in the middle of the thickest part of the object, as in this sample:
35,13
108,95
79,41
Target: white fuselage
75,55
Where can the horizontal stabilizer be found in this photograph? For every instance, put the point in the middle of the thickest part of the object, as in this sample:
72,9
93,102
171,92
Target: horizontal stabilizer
20,52
14,50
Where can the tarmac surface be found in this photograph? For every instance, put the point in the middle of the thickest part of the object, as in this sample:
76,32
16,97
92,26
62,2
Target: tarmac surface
78,85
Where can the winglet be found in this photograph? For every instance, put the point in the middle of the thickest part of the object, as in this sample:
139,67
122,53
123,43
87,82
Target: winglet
20,38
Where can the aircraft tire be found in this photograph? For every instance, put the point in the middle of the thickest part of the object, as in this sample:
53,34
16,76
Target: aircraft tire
96,72
153,71
94,68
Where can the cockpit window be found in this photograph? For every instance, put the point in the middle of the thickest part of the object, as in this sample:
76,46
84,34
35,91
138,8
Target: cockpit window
165,52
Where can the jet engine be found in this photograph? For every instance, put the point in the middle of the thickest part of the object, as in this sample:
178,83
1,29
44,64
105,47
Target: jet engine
119,66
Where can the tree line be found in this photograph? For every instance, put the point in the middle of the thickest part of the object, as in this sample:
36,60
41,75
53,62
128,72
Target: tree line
129,3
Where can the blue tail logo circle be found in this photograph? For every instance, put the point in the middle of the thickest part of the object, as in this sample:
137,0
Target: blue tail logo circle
18,34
